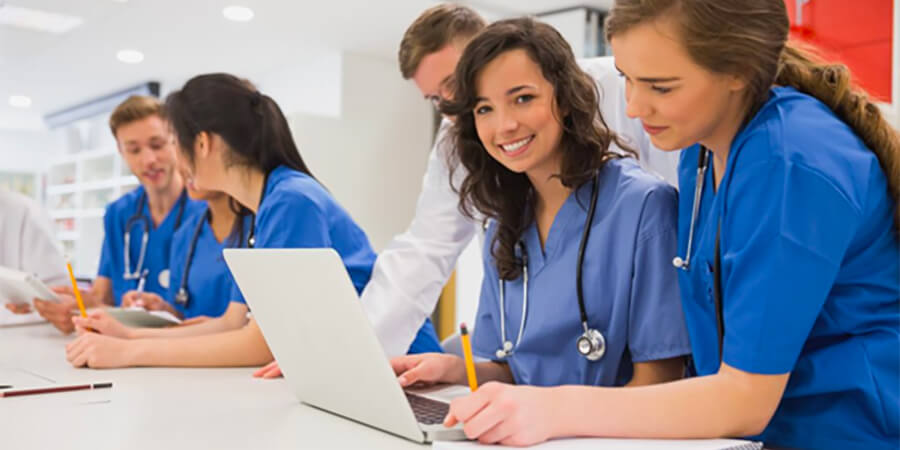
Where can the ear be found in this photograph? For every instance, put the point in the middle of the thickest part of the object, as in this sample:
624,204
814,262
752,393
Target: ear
736,83
202,145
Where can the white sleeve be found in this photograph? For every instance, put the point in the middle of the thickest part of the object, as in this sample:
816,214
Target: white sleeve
612,107
38,249
411,271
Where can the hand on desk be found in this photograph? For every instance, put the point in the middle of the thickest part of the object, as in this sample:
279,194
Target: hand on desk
100,322
148,301
59,314
499,413
426,369
99,352
270,370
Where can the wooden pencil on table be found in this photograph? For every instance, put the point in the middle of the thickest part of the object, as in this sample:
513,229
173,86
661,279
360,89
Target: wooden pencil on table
52,389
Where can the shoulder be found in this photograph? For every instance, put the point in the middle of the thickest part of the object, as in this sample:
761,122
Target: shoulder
631,182
290,190
639,198
189,224
14,203
125,204
806,140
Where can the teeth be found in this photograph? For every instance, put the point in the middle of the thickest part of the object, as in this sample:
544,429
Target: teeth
516,145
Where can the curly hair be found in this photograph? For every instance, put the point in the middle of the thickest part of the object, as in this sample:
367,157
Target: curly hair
490,188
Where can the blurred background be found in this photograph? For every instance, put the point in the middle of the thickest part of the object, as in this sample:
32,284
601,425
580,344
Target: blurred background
331,65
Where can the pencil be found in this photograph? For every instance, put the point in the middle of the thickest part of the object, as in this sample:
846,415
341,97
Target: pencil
48,390
467,353
75,288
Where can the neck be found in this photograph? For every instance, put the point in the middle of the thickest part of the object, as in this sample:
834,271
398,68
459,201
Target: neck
550,196
162,200
719,141
245,184
221,216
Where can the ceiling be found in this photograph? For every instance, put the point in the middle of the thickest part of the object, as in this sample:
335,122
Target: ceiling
180,38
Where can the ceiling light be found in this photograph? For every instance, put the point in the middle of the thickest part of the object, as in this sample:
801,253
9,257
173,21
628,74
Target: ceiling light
19,101
130,56
238,13
37,20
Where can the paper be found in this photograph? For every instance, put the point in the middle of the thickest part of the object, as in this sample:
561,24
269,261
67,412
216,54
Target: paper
139,317
618,444
8,318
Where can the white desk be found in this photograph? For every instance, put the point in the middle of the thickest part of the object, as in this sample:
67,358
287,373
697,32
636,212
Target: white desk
150,408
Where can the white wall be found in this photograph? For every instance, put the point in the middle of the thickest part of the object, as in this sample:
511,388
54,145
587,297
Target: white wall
372,157
572,25
26,151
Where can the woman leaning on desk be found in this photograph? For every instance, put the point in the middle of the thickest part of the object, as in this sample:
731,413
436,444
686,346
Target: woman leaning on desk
796,230
233,139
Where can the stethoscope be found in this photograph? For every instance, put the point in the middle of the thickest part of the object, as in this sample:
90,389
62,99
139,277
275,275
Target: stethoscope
183,297
702,164
139,218
591,344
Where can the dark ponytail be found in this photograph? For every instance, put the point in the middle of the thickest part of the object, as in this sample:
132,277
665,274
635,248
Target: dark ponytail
250,123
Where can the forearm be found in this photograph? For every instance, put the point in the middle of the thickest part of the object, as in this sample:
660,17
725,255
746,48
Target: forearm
234,318
241,347
703,407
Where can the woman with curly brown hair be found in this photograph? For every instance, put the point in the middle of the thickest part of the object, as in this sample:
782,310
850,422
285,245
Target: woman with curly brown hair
577,286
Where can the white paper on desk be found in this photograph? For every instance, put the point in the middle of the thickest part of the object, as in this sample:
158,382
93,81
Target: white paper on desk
140,317
8,318
619,444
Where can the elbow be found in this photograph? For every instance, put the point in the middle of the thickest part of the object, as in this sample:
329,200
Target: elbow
755,424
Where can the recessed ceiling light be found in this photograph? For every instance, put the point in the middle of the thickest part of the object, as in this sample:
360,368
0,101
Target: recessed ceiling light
130,56
238,13
37,20
19,101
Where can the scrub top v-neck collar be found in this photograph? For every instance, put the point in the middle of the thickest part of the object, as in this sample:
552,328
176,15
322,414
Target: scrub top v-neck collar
568,214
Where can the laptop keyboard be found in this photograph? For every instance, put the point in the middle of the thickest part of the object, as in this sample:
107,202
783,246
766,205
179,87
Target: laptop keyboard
427,411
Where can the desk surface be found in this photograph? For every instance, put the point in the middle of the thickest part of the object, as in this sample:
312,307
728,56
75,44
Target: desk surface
151,408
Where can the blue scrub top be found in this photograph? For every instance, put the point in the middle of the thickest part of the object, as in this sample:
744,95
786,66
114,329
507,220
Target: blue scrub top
112,255
209,283
810,268
630,286
297,212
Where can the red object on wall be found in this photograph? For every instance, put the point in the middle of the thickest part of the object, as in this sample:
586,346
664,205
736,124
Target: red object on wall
857,33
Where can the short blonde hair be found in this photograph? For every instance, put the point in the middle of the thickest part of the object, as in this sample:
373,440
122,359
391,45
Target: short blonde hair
135,108
433,30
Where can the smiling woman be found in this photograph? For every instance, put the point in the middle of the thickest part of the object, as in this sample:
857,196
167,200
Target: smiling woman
563,208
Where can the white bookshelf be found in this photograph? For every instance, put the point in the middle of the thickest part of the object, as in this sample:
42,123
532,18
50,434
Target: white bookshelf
79,186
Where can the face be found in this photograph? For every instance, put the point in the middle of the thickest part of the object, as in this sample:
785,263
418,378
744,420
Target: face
678,102
149,151
435,72
516,115
193,191
206,175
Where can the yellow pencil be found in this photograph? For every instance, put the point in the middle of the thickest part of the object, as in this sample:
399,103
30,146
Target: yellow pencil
467,352
75,288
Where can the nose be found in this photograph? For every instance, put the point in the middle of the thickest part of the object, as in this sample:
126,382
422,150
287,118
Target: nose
635,103
507,121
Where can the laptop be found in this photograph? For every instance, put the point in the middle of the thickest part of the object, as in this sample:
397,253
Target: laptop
312,319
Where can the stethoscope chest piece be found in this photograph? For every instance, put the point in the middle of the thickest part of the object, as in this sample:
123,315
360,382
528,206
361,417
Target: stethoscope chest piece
591,345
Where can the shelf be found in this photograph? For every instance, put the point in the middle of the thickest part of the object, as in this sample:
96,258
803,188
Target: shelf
85,155
67,235
77,213
69,188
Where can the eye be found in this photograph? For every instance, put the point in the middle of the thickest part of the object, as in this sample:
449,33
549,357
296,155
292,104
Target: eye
661,90
479,110
524,98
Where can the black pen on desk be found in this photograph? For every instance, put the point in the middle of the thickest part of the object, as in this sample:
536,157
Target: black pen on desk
52,389
5,386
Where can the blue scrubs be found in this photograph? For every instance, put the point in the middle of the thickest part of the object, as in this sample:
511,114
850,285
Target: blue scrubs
112,256
810,269
297,212
209,283
630,289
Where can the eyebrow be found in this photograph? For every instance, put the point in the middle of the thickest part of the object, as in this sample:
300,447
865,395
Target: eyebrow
652,79
509,92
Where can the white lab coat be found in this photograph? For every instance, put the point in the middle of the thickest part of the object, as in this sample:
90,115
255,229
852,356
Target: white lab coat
27,240
412,269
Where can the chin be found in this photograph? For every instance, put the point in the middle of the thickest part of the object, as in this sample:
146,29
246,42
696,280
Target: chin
668,145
